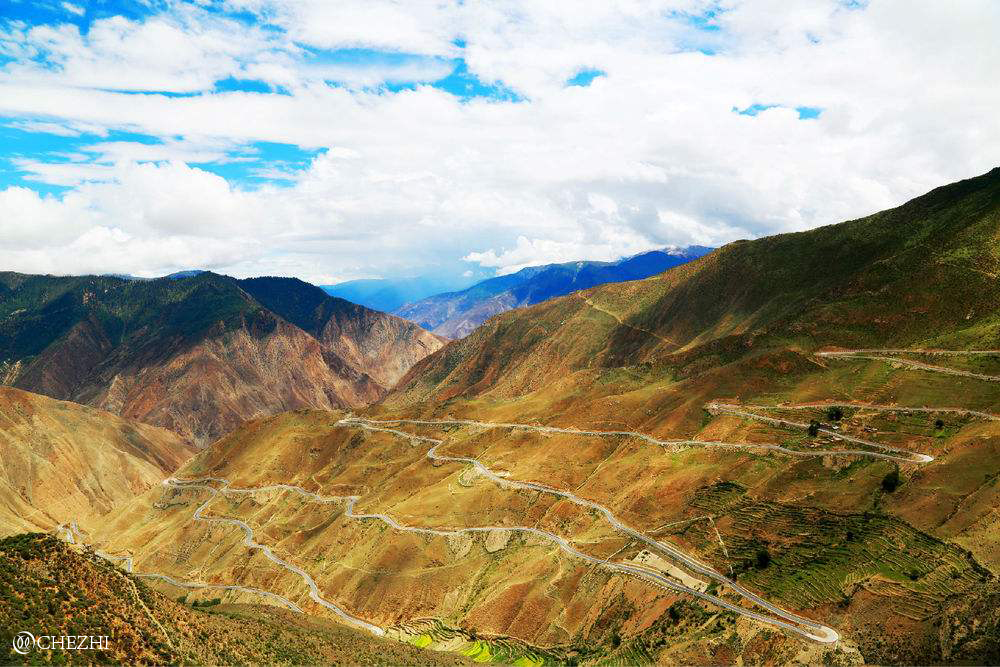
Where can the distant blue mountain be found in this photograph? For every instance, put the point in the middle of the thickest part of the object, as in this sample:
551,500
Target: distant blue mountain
180,275
388,294
456,314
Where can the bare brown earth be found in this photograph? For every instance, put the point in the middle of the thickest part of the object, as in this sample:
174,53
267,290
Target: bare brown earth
209,389
202,354
61,461
900,557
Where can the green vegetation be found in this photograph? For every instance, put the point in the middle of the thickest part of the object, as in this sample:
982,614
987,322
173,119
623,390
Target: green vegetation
821,552
206,603
48,587
35,311
478,648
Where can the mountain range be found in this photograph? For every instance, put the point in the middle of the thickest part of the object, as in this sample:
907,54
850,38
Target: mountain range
456,314
923,274
389,294
199,353
786,451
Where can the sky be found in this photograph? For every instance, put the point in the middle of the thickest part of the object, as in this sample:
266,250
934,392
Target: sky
341,139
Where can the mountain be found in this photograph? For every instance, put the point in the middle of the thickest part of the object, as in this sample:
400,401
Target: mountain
924,274
388,294
396,557
784,452
456,314
63,461
48,588
198,354
889,537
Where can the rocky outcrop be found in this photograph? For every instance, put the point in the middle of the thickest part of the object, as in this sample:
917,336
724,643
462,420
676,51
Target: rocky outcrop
200,354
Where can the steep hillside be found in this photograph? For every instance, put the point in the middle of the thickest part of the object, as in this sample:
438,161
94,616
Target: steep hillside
198,354
48,588
924,275
456,314
787,451
383,345
433,554
62,461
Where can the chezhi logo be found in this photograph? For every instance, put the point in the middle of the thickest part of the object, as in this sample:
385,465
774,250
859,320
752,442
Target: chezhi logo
24,642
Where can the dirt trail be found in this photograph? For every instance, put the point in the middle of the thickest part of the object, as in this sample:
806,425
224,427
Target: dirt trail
622,322
780,617
886,355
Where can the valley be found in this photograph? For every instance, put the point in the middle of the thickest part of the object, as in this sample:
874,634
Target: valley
737,459
730,596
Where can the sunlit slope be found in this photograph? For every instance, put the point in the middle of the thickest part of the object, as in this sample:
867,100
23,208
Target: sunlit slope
62,461
519,482
198,354
924,274
886,550
516,588
841,548
50,588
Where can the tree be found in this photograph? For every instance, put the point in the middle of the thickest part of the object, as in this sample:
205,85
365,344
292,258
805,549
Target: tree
763,558
834,413
939,424
813,429
891,481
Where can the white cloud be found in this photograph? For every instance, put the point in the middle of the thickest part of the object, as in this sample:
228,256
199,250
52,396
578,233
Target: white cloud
74,9
647,156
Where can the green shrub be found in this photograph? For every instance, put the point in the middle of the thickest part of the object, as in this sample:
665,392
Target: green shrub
891,481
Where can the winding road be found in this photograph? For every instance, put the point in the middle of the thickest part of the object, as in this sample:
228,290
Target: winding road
898,455
781,617
887,356
786,620
249,542
895,454
877,407
224,587
621,321
771,614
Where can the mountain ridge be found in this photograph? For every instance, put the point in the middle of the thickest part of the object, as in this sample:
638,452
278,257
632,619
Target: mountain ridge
668,470
456,314
162,350
845,284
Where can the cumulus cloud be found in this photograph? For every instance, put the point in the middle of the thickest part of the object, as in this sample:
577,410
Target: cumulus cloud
410,176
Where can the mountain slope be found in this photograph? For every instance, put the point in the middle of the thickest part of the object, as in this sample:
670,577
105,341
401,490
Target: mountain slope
62,461
198,354
925,274
661,471
704,381
456,314
48,588
383,345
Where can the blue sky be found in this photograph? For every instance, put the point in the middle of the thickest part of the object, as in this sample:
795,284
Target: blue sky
363,138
